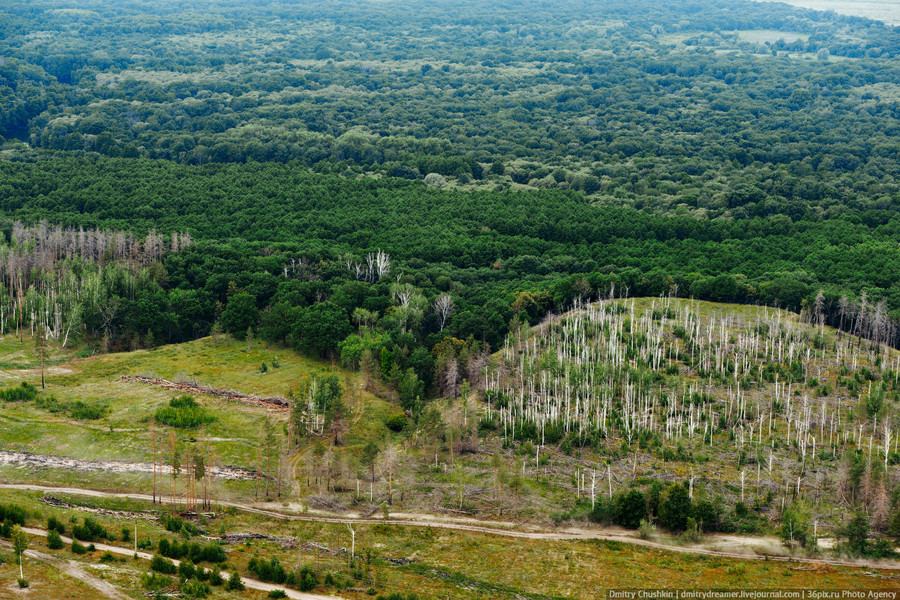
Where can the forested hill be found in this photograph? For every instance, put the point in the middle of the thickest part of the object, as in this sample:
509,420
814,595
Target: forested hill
251,221
512,156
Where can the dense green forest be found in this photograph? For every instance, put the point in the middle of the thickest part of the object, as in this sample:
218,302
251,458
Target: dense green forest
501,164
705,107
293,246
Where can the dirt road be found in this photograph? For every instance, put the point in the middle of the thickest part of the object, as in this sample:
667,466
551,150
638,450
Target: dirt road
530,532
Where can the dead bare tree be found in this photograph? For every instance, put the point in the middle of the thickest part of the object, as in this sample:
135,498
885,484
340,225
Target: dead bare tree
443,306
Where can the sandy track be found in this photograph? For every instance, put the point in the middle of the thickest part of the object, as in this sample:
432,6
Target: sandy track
531,533
250,583
28,459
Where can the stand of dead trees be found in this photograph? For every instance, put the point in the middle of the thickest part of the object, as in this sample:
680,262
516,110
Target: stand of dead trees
665,376
50,277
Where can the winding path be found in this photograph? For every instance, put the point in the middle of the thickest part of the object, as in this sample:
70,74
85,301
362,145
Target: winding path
572,533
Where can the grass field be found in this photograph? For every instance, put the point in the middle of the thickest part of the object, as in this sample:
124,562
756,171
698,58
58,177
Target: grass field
762,36
45,581
123,434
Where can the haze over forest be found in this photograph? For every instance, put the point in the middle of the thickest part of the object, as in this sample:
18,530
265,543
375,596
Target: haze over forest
881,10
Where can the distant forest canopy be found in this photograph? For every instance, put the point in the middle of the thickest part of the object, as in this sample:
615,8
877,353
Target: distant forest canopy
504,162
704,107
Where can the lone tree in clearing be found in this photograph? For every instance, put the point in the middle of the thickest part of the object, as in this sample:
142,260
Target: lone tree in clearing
20,545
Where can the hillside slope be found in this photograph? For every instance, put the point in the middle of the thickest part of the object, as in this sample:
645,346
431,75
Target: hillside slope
757,413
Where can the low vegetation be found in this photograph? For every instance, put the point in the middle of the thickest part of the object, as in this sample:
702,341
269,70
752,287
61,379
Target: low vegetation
183,413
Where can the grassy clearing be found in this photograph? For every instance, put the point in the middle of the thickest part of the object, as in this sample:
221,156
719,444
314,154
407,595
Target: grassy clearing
123,434
44,581
762,36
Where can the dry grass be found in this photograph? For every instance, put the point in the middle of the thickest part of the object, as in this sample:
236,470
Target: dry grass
44,582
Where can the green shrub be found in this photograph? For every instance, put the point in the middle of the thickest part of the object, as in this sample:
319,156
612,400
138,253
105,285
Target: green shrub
183,413
162,565
54,542
235,583
81,411
193,588
881,548
22,393
646,530
675,508
154,581
13,515
706,514
78,547
794,528
271,570
857,535
197,553
178,525
186,570
54,524
90,531
600,511
397,423
691,531
629,509
306,579
77,410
